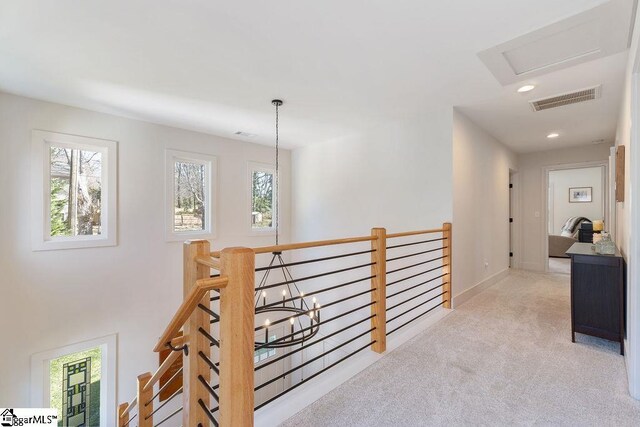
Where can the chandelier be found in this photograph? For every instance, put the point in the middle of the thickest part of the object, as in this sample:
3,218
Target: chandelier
303,319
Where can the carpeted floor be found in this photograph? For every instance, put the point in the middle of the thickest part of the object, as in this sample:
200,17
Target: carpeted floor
560,265
503,358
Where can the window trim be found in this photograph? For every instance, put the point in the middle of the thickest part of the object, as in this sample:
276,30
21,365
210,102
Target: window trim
211,169
41,239
260,167
40,385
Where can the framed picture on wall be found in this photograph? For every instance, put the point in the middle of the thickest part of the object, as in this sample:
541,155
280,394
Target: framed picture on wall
580,195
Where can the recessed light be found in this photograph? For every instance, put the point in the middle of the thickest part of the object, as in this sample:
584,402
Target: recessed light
526,88
553,135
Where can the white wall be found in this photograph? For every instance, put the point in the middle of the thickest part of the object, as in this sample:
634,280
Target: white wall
627,213
54,298
480,205
396,175
531,219
560,181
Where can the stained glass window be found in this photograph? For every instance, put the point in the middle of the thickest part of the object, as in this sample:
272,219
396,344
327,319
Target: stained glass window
75,388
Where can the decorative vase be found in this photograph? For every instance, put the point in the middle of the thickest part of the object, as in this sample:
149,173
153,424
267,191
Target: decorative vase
605,246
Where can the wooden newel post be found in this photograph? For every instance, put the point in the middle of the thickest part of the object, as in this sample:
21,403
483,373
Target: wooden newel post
145,404
446,263
193,364
379,289
237,337
122,419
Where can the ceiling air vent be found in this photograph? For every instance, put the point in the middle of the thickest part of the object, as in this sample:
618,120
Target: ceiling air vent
566,99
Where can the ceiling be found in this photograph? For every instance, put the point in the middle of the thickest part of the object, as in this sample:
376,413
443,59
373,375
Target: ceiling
214,66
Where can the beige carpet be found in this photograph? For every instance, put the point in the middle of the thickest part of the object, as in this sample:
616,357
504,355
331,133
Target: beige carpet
503,358
560,265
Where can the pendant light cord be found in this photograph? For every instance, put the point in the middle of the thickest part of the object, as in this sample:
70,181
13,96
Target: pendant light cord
277,198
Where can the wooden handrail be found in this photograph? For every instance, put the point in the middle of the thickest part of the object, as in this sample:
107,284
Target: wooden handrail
413,233
293,246
131,405
209,262
189,304
162,369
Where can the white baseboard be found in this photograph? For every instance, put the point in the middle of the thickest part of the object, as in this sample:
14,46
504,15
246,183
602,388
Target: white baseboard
475,290
290,404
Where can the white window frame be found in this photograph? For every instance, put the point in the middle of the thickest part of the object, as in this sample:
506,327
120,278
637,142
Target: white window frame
40,376
211,170
41,239
268,168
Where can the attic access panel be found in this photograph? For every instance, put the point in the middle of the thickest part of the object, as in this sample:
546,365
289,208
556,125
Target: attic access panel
598,32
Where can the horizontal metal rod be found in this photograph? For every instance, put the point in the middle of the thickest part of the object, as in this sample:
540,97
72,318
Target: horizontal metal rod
293,316
130,419
314,342
416,275
167,400
209,362
284,374
315,276
419,284
177,411
414,243
291,264
283,338
415,318
342,285
209,337
173,377
412,298
330,288
417,253
209,311
413,308
329,304
315,375
207,413
415,265
209,389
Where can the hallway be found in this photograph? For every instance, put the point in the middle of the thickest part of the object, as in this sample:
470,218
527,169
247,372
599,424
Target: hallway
505,357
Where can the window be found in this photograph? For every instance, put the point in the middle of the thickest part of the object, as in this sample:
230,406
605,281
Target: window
190,195
73,191
74,387
78,380
263,191
263,354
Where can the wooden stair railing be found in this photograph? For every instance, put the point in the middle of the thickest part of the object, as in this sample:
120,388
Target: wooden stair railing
236,285
197,285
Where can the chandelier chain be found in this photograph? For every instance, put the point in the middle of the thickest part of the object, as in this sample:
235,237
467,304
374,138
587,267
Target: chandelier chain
277,198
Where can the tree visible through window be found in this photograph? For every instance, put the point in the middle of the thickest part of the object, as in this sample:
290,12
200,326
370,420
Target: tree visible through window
76,192
262,199
189,196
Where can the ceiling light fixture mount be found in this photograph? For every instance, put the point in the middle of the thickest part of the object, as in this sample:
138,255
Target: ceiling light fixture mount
553,135
526,88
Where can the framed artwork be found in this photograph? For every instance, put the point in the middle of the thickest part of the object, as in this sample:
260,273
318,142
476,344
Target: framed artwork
580,195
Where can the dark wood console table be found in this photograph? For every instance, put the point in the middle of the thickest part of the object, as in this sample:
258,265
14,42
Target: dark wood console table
597,293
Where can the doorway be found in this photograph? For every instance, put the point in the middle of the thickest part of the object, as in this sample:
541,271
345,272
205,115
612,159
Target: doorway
575,194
